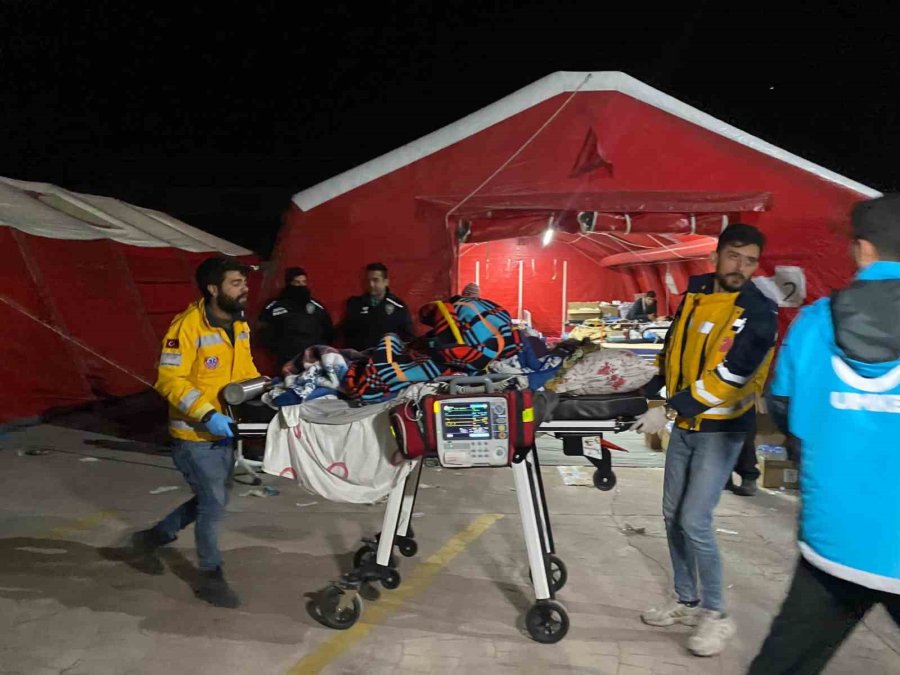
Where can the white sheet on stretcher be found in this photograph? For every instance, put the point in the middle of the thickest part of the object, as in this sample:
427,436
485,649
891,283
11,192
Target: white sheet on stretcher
340,453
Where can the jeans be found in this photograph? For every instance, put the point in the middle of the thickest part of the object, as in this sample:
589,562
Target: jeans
697,465
817,615
207,467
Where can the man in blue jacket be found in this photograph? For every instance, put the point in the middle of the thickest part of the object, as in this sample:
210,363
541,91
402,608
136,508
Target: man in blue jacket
836,391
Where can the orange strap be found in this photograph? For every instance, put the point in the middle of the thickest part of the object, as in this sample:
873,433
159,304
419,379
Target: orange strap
390,357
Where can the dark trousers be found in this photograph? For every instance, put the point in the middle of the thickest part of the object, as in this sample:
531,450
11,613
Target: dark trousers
745,467
818,614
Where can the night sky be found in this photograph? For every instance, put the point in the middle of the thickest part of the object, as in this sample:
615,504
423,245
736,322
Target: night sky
218,112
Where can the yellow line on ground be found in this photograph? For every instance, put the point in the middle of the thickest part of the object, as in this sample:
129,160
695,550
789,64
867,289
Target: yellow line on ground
85,523
377,612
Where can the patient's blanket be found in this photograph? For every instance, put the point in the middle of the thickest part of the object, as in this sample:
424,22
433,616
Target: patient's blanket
598,371
337,452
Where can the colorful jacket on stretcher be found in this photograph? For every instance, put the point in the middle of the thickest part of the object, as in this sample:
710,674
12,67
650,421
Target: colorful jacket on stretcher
717,355
468,334
196,363
837,387
389,369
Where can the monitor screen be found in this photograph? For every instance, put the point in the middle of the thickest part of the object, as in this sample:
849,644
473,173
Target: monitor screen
469,420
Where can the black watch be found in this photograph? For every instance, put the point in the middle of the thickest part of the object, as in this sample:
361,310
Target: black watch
207,417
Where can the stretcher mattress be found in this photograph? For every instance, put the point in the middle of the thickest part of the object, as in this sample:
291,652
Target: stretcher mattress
607,407
567,409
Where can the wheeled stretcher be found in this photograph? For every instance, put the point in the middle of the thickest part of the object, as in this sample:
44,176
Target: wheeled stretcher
571,418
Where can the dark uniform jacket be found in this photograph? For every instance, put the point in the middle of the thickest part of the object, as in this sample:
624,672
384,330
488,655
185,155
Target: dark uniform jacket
366,323
294,322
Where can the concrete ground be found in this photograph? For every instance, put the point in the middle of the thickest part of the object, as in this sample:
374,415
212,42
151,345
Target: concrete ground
68,604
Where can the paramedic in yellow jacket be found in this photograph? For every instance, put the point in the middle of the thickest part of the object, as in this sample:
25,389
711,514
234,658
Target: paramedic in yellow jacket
713,366
206,347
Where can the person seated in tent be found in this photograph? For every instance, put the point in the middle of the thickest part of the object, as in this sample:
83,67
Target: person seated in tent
376,313
644,308
295,321
206,348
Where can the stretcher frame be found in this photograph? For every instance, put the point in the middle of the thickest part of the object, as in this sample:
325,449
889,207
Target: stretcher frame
340,605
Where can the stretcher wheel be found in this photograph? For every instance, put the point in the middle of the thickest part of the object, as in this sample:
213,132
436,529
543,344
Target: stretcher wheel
547,622
391,580
604,482
366,556
558,574
408,547
333,615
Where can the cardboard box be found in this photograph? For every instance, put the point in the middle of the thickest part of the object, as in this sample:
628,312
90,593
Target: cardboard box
778,473
608,309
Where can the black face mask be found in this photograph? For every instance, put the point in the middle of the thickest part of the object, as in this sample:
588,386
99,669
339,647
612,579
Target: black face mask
298,294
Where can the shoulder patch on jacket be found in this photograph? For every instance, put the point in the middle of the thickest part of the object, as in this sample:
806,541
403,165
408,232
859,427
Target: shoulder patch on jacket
172,343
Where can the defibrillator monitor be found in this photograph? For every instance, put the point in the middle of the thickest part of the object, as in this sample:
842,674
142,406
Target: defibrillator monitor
472,431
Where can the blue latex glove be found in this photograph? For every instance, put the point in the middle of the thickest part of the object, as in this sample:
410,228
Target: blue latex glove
219,425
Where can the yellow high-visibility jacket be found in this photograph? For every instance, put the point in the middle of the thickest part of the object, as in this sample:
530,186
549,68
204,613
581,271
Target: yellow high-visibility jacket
196,363
717,355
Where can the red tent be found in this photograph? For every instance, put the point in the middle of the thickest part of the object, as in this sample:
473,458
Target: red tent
635,185
88,287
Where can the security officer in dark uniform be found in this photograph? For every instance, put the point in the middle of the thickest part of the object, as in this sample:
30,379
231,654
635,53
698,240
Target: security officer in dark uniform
372,315
295,321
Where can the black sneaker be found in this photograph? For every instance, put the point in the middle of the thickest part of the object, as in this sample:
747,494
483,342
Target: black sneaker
215,590
747,488
144,545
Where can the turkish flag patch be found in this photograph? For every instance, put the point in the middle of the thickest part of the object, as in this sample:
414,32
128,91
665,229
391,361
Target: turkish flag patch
172,344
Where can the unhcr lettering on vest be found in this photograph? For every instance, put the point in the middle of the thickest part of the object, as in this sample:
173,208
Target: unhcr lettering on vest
847,400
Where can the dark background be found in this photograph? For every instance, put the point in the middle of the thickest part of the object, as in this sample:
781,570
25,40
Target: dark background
219,112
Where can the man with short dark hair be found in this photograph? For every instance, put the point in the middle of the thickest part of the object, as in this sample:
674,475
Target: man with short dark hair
644,308
206,347
713,366
295,321
374,314
836,392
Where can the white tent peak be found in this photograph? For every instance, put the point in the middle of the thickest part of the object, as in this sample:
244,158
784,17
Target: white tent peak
45,210
557,83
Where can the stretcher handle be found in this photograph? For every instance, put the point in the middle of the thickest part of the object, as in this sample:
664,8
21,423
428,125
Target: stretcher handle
487,381
242,391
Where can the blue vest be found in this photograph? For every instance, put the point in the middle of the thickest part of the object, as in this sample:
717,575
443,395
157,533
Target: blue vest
847,417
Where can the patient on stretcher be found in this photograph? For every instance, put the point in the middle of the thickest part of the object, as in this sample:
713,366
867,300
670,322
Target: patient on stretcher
467,336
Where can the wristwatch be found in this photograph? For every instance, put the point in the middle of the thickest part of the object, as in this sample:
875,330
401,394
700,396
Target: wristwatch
671,413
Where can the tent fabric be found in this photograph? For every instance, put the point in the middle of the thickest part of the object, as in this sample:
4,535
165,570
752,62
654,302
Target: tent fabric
409,206
630,202
85,308
49,211
537,93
